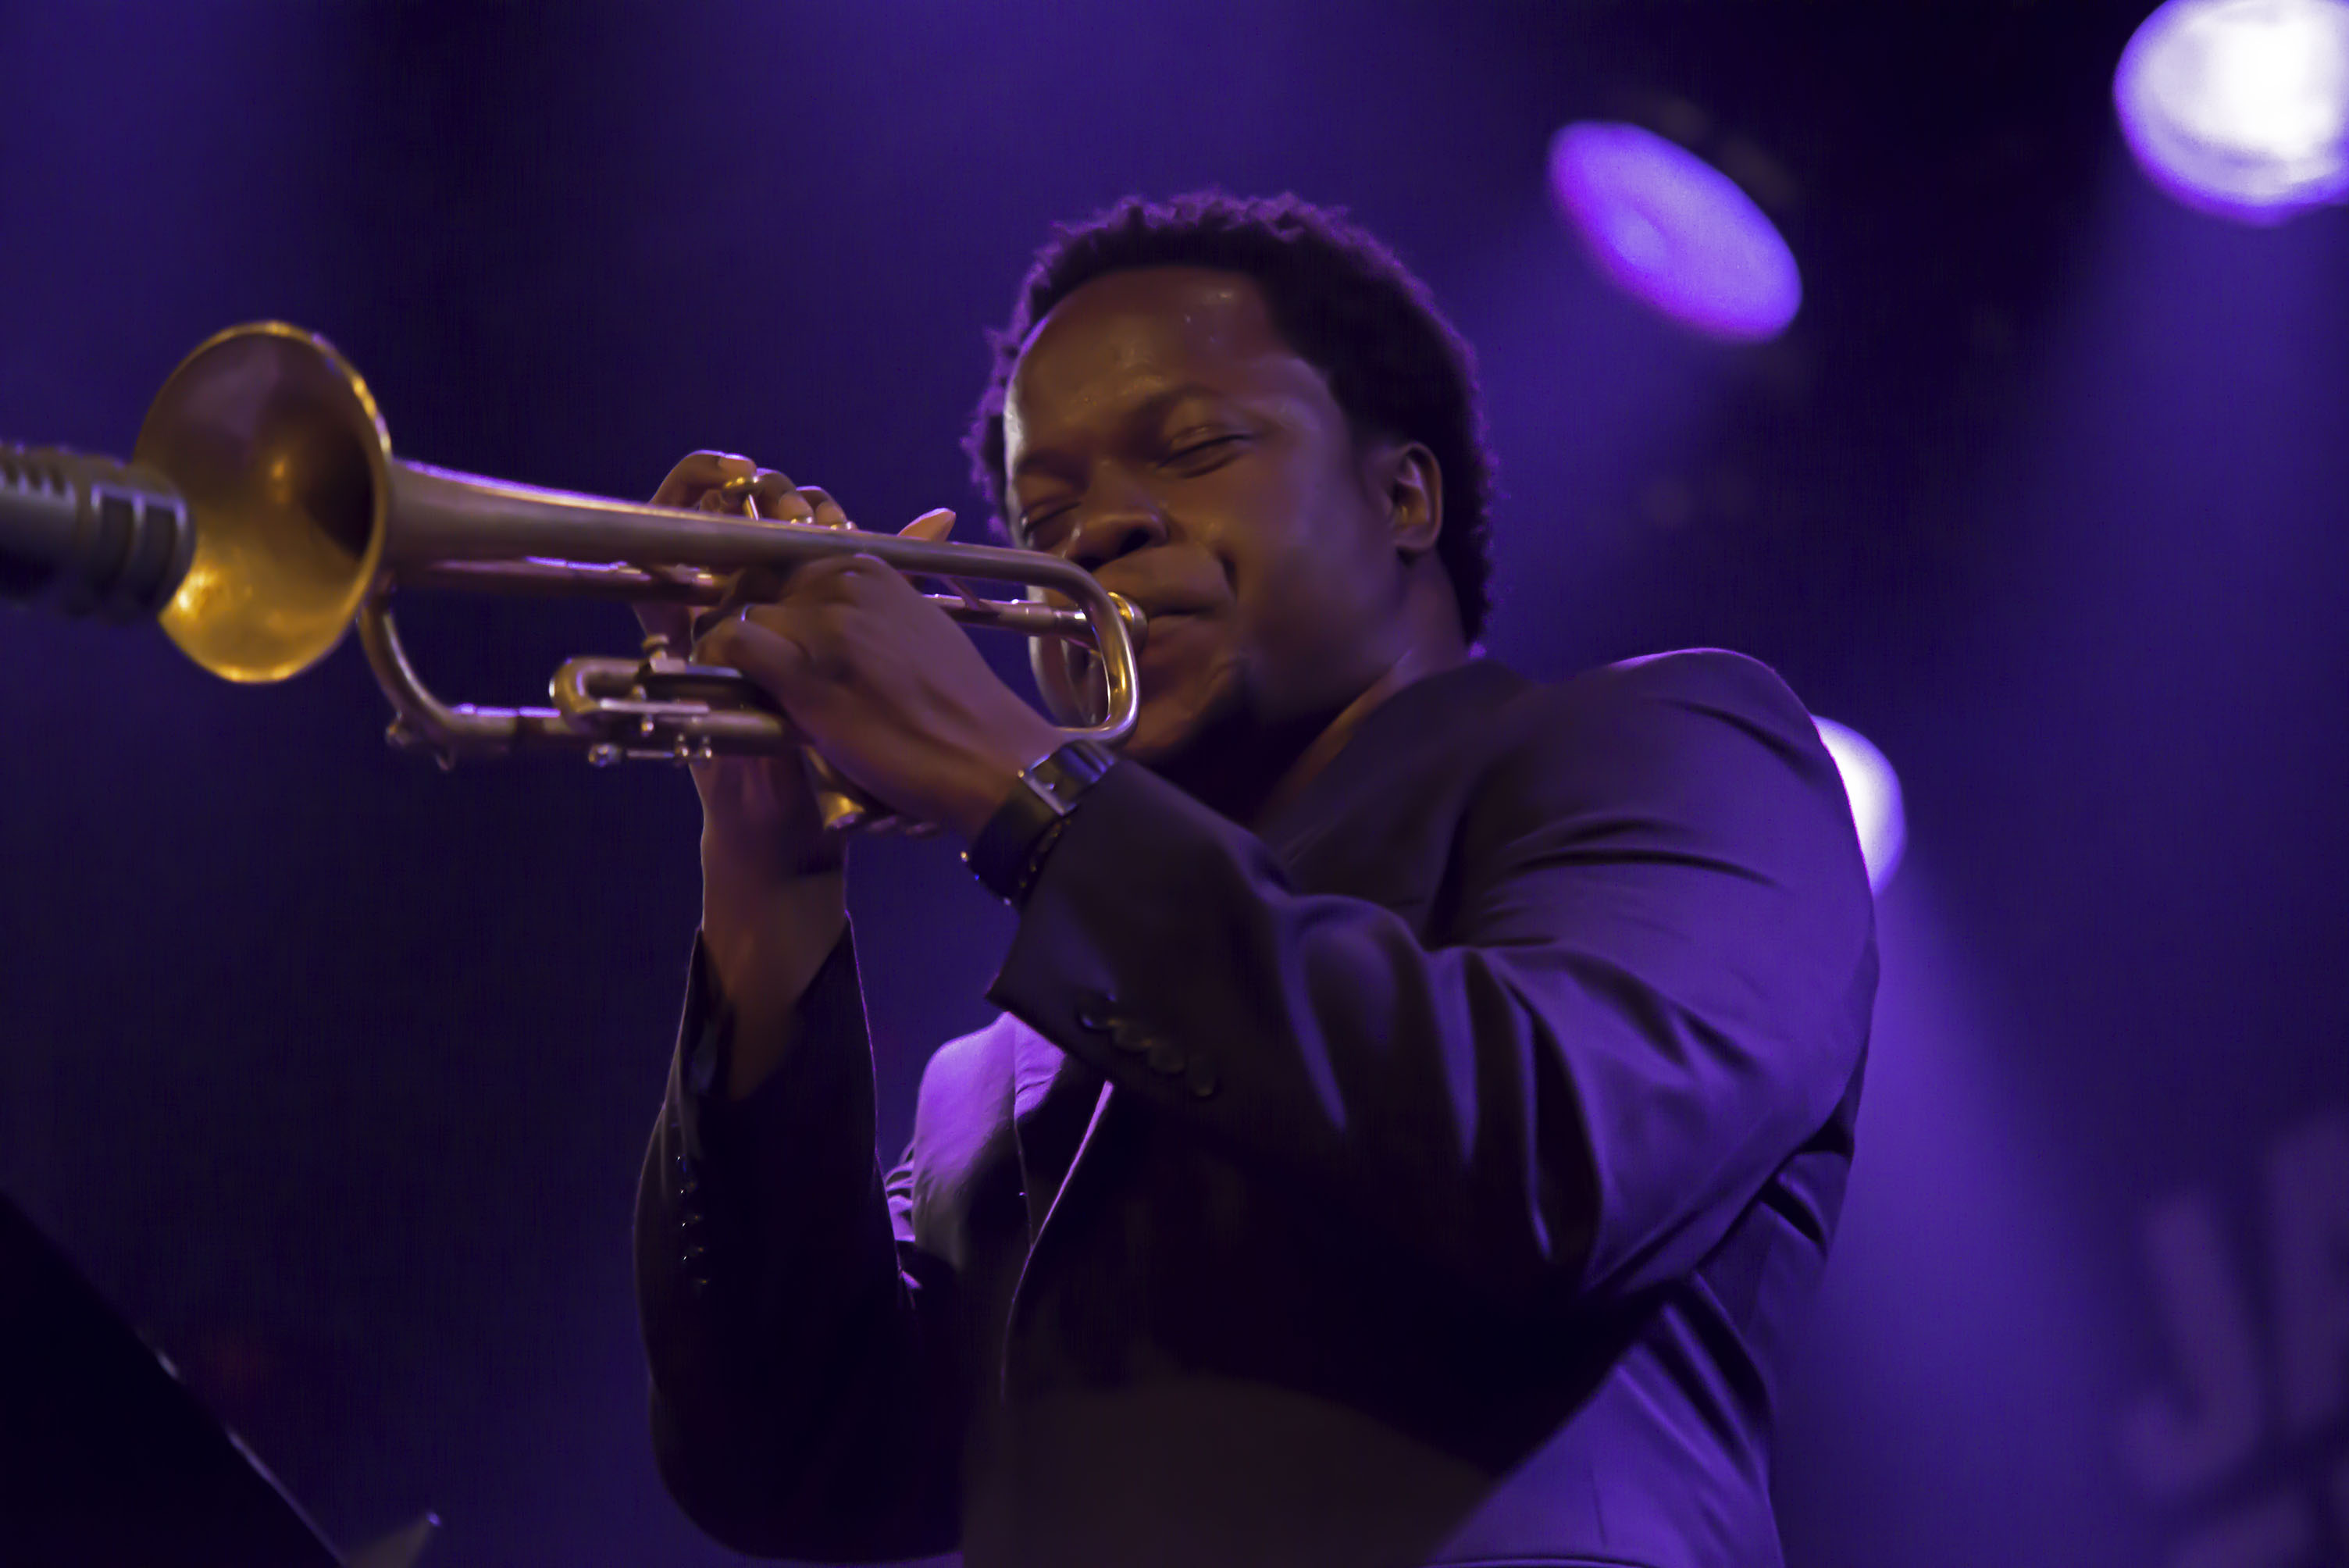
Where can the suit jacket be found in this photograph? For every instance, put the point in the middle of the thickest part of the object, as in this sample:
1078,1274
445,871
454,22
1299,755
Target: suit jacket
1434,1178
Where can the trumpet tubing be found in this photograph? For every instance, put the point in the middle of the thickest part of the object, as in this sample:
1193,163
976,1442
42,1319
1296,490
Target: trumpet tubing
305,524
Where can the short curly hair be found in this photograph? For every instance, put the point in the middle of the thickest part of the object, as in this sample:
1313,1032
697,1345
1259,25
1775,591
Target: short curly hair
1337,297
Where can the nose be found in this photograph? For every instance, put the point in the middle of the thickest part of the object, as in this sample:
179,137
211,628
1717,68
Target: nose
1118,528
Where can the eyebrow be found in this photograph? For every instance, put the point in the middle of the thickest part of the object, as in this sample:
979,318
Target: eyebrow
1148,411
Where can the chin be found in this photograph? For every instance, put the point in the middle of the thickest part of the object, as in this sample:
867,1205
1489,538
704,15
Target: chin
1183,703
1158,738
1176,718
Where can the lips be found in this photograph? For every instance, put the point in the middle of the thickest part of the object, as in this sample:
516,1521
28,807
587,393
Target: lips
1169,601
1164,593
1155,608
1165,630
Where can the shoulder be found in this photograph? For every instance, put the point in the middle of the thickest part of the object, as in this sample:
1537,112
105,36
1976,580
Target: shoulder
1698,743
1730,685
1643,709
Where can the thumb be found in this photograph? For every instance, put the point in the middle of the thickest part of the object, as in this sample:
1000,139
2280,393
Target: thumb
773,663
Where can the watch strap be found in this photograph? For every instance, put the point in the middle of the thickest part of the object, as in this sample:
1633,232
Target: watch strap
1009,851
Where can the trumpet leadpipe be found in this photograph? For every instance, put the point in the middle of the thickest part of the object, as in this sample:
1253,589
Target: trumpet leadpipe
552,578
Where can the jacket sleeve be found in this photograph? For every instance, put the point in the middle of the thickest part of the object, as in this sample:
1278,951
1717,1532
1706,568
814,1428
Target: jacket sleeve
1649,983
805,1398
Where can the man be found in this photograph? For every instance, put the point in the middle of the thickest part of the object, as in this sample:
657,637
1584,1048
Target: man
1422,1097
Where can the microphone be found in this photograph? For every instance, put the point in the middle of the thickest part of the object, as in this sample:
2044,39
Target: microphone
89,536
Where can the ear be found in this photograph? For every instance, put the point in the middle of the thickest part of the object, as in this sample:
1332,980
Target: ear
1411,484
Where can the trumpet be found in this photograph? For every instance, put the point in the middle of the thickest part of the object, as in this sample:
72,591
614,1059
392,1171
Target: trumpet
262,516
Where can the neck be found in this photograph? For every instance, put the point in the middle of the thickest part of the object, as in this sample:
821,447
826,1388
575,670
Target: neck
1249,771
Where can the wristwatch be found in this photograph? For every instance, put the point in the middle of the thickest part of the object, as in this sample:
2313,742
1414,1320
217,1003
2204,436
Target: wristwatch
1007,853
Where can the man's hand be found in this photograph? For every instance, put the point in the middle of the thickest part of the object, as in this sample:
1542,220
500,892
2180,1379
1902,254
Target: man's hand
758,816
886,687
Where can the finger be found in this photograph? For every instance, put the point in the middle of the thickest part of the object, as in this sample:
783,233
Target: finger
931,527
775,496
695,483
760,588
824,512
777,665
762,493
752,586
934,527
697,473
713,638
778,499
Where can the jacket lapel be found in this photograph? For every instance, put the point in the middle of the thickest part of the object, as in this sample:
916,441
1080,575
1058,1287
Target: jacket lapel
1055,1100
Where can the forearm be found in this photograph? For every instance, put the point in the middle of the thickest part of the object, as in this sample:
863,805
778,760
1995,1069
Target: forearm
760,1221
795,1348
777,1413
765,940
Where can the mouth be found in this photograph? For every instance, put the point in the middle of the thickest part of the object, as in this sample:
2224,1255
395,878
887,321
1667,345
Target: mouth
1155,609
1167,630
1162,630
1159,628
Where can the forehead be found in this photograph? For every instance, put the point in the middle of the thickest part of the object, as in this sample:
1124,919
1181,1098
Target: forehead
1128,334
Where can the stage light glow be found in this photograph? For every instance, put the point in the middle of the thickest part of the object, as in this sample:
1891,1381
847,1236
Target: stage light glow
1670,230
1873,790
2240,108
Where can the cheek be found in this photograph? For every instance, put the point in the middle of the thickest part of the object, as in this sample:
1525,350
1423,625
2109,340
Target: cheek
1274,527
1301,593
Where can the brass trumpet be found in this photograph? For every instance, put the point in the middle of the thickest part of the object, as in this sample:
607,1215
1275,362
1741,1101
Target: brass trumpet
305,524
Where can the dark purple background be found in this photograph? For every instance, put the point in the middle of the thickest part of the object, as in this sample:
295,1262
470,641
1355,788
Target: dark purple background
334,1071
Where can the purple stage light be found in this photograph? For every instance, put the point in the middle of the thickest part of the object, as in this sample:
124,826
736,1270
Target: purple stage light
1668,228
1873,790
2240,108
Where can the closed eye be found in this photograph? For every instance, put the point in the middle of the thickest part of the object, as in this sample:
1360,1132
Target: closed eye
1031,528
1197,457
1199,449
1201,455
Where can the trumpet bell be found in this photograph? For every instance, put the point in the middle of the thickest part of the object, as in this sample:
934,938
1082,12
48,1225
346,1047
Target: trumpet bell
279,450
